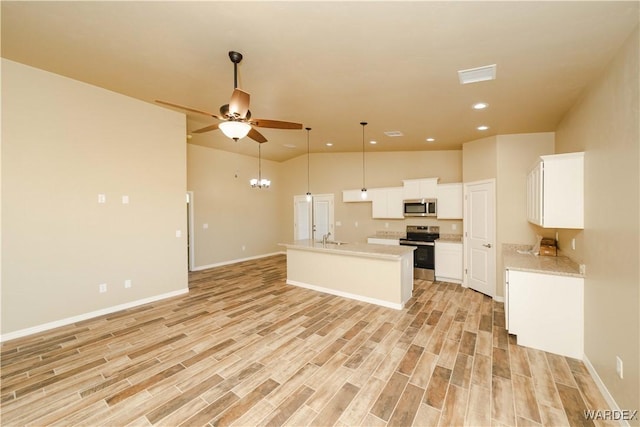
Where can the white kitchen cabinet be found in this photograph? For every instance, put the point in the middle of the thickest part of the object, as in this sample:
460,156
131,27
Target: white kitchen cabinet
448,261
425,188
449,201
555,191
353,196
383,241
387,202
546,311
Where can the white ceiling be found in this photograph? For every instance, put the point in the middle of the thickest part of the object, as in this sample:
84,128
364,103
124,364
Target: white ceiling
331,65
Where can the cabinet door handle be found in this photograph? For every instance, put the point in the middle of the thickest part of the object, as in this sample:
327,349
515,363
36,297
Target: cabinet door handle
488,245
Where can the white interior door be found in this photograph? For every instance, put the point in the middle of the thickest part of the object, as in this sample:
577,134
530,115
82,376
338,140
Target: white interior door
323,216
314,219
302,218
480,236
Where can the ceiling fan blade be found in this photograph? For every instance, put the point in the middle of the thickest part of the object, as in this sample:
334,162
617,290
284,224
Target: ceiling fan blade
193,110
207,129
239,103
275,124
256,136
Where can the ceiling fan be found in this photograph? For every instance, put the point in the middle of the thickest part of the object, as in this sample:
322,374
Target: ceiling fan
235,117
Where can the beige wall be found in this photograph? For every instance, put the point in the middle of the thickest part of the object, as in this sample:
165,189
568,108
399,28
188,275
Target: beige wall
507,159
63,143
605,124
332,173
515,154
479,159
237,215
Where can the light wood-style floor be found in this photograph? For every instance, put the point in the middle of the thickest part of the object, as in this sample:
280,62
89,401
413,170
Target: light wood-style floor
243,348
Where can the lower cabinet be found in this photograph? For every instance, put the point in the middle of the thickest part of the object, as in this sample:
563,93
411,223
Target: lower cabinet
546,311
448,261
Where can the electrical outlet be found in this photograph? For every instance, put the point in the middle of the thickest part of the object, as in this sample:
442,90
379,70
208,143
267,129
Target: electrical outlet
243,248
125,200
102,288
454,226
102,198
127,283
619,367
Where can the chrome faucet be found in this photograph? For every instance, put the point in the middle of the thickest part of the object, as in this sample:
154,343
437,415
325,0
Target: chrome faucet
325,237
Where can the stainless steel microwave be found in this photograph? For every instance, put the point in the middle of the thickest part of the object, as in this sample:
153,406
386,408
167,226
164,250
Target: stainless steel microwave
420,207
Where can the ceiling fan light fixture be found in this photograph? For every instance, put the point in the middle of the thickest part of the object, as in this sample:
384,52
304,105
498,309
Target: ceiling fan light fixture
235,130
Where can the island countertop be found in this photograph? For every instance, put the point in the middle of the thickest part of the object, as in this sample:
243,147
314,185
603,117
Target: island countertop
352,249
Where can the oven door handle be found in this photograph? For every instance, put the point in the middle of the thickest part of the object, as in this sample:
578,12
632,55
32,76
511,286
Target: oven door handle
411,243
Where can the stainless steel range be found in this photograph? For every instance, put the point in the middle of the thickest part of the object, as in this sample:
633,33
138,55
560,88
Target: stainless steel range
423,237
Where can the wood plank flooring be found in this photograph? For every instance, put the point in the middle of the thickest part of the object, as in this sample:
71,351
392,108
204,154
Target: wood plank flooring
243,348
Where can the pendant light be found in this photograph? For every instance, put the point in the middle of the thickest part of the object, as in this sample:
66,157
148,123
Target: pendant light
308,161
363,192
260,182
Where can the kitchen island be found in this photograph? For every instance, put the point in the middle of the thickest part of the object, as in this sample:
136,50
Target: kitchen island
376,274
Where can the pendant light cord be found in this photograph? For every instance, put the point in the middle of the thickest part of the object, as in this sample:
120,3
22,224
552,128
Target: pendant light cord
363,164
259,163
308,160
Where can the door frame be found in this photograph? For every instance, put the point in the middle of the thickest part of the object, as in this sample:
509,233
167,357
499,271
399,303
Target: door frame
311,230
467,245
191,231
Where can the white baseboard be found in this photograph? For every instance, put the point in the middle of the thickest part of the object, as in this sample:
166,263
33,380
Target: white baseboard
69,320
235,261
613,405
347,295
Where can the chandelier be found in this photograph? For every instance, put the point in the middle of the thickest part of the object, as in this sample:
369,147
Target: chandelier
260,182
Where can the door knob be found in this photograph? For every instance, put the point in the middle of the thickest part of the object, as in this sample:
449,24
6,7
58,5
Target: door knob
488,245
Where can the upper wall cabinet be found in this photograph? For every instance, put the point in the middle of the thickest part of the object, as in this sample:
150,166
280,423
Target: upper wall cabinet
426,188
449,201
387,202
555,191
353,196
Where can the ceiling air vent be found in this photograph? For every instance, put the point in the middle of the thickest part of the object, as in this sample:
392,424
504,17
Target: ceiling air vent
393,133
480,74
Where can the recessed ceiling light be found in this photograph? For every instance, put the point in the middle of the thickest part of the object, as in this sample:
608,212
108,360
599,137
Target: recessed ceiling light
329,144
393,133
289,146
480,106
373,142
483,127
430,139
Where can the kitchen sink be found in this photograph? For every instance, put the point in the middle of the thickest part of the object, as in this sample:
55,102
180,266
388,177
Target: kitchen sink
333,242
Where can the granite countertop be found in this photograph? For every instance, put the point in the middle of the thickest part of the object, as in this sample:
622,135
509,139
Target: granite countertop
560,265
450,238
352,249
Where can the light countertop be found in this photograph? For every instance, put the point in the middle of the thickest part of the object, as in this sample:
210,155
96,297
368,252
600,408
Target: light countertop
450,238
560,265
352,249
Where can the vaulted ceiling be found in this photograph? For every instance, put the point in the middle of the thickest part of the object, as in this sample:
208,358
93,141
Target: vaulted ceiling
331,65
